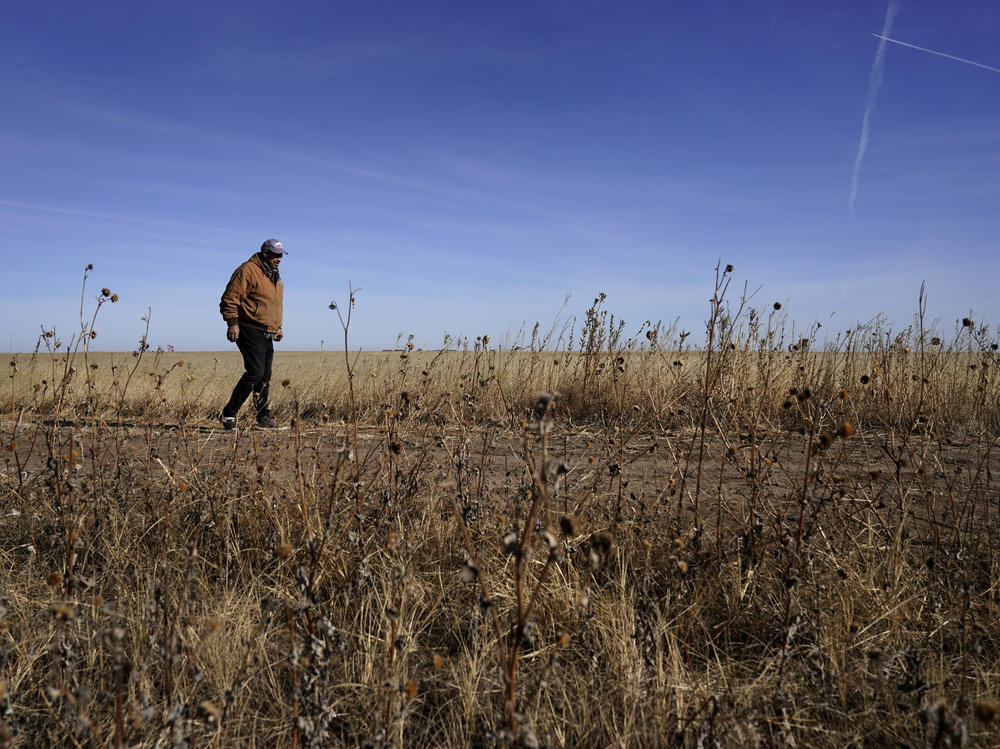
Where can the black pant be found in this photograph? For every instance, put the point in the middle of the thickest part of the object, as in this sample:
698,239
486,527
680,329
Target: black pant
258,353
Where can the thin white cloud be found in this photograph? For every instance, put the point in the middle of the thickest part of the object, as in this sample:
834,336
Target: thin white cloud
132,121
874,83
317,59
939,54
168,128
101,215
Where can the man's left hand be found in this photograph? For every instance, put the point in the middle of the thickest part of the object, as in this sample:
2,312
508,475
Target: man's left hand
279,335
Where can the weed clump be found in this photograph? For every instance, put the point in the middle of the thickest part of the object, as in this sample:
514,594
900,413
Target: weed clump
757,540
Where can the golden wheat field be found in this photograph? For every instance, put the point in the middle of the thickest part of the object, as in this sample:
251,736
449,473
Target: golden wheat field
591,541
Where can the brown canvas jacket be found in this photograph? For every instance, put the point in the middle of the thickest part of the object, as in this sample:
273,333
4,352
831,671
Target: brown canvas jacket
251,298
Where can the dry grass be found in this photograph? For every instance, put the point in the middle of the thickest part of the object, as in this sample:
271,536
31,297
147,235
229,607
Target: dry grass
741,545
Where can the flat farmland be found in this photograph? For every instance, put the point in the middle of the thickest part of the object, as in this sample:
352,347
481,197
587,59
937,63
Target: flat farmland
609,545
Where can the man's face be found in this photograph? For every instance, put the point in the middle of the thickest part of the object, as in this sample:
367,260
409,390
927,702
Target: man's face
273,260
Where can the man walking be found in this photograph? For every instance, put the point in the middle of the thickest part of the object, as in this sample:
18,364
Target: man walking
251,307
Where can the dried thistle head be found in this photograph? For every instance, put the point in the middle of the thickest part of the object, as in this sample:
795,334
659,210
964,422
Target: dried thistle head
602,548
845,431
470,573
510,544
987,709
64,611
555,469
392,542
543,402
568,524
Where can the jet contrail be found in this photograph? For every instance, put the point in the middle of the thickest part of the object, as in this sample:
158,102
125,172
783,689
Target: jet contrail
874,82
939,54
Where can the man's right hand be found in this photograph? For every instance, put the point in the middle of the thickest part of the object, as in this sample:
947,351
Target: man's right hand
233,332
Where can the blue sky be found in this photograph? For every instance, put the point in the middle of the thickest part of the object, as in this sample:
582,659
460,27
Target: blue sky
468,165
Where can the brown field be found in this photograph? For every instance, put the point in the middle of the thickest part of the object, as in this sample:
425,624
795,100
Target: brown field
738,546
